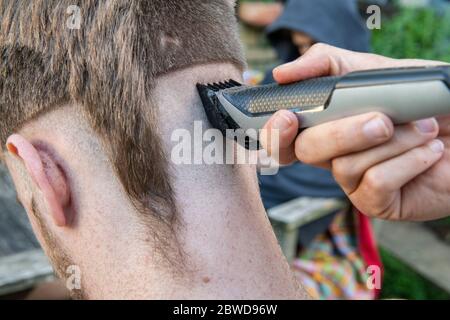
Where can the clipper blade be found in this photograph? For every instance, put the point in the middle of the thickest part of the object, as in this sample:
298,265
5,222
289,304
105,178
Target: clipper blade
216,114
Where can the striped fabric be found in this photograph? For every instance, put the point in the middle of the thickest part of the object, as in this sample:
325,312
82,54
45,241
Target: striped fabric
332,268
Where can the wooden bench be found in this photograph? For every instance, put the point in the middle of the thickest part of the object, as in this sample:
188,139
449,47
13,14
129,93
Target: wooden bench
286,219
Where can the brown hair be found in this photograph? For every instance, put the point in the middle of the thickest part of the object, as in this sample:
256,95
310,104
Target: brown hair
109,66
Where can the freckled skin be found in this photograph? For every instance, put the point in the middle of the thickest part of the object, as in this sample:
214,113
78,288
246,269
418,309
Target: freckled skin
229,248
226,231
206,279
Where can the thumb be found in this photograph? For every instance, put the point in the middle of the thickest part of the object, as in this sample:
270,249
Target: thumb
278,136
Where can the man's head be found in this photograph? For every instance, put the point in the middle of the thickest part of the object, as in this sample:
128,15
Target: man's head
78,123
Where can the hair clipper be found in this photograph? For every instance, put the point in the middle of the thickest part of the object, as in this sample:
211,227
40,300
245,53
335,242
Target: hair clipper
404,94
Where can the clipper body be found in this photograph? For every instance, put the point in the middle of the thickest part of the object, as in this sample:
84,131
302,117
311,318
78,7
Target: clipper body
405,95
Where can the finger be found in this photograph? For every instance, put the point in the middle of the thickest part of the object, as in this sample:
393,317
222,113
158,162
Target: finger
278,136
381,184
348,170
444,125
316,62
334,139
323,60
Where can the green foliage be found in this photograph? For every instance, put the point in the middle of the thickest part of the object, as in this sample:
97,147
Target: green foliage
400,282
414,33
411,33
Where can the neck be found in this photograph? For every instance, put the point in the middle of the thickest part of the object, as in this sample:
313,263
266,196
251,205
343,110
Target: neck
225,233
229,248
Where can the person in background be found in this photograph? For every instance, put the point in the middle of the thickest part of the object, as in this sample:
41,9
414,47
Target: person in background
259,14
329,263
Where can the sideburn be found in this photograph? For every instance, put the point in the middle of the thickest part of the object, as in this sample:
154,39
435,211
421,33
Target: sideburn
59,259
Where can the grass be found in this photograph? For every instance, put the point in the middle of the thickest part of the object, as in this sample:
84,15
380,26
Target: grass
411,33
401,282
414,33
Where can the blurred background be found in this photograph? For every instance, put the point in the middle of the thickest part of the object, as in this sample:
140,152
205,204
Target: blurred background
324,239
415,257
409,29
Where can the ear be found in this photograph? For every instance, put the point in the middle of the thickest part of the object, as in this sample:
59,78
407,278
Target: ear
46,174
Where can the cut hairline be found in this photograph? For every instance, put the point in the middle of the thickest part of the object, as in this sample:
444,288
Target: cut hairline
109,67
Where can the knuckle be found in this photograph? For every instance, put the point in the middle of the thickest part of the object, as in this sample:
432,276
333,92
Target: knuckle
319,47
374,182
342,169
375,206
386,214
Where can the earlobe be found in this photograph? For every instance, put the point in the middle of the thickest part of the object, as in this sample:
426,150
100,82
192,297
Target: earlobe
47,175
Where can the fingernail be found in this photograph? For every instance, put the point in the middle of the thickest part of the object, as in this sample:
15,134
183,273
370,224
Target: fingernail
437,146
427,125
376,129
282,122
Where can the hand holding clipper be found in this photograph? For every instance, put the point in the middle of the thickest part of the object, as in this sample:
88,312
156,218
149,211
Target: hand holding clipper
403,94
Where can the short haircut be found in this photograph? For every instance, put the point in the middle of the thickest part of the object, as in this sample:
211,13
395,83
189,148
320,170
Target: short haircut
109,66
